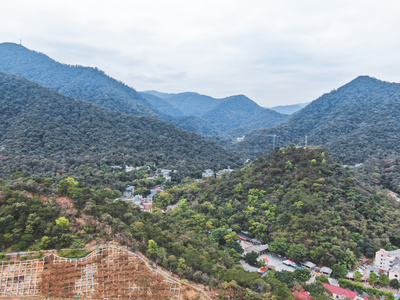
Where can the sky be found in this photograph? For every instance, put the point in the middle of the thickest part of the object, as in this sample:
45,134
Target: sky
274,52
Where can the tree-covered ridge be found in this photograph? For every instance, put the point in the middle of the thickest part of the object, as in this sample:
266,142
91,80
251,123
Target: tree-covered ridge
93,85
84,83
359,120
43,132
304,204
230,117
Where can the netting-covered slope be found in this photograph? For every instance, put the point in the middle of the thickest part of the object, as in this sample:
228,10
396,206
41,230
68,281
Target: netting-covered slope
107,272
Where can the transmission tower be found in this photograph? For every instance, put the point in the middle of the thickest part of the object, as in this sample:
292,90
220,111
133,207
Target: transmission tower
305,141
273,140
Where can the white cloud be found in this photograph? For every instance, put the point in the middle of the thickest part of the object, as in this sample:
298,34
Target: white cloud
275,52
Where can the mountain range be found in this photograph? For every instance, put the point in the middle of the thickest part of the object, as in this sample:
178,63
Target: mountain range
289,109
190,111
43,132
358,120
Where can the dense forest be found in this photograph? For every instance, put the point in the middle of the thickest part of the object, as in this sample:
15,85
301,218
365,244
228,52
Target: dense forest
227,117
84,83
184,110
357,121
44,133
299,200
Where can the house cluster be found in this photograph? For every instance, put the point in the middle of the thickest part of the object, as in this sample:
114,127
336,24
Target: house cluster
252,245
337,293
144,203
129,168
211,173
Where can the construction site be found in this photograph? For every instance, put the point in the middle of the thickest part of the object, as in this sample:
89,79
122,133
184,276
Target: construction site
108,272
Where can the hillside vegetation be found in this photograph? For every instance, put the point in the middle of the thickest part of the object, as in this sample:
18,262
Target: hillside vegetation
357,121
43,132
302,202
184,110
84,83
299,200
227,117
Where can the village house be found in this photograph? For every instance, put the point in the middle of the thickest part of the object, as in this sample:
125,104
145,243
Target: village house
301,295
207,173
308,265
129,191
340,293
326,271
394,272
224,171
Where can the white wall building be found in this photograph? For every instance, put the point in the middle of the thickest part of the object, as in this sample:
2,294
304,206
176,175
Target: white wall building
383,260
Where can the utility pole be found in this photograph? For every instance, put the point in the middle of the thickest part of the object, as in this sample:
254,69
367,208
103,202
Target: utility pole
305,141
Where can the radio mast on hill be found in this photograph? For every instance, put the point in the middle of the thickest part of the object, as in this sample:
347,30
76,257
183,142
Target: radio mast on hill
273,140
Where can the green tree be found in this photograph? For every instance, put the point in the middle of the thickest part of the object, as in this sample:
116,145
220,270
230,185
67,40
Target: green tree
251,258
279,246
297,252
357,276
63,224
384,280
339,271
286,277
218,235
322,278
302,275
152,249
64,185
373,278
394,283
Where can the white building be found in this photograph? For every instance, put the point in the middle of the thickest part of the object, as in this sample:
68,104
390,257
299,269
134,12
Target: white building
207,173
394,272
383,260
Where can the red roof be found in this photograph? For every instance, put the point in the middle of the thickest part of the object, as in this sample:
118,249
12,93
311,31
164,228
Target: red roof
262,270
300,296
340,291
242,238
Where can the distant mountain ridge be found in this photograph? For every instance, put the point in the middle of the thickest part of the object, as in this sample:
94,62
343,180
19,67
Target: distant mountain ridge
84,83
93,85
234,115
356,121
289,109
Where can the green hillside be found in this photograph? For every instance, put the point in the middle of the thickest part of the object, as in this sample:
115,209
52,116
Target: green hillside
359,120
304,204
43,132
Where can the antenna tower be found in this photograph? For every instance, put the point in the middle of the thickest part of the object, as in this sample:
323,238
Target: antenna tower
273,140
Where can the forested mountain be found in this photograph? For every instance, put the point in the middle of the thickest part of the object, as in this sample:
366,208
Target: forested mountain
84,83
231,116
289,109
239,115
43,132
359,120
188,103
303,203
93,85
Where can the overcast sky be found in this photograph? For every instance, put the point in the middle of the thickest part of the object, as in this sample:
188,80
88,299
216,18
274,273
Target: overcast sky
275,52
